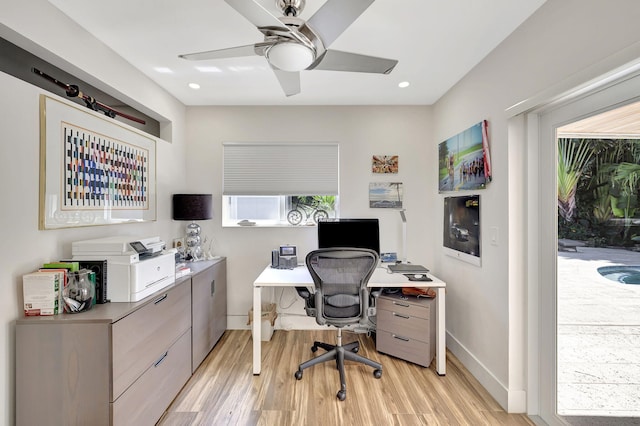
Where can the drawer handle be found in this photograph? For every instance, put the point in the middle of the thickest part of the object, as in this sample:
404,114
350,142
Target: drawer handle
404,339
401,316
213,287
400,304
158,362
160,299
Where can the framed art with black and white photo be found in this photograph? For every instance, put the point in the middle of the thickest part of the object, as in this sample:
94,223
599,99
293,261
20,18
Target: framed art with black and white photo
93,170
461,228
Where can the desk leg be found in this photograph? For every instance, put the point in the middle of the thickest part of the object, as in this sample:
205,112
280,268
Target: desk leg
441,339
257,330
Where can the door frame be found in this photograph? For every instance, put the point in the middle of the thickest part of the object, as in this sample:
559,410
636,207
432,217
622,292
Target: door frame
540,125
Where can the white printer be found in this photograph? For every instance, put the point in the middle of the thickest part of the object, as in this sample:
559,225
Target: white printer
136,267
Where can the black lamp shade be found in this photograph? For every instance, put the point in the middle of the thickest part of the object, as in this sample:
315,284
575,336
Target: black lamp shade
192,206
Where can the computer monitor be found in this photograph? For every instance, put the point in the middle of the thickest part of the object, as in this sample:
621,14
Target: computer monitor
358,233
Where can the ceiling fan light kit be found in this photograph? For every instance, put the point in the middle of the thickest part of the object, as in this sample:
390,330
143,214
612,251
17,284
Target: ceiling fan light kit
292,45
290,57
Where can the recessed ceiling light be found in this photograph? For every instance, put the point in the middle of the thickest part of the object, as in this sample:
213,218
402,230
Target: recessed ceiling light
208,69
403,84
194,86
163,70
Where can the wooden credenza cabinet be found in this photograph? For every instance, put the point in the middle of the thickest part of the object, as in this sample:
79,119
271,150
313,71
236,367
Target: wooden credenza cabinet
117,364
406,328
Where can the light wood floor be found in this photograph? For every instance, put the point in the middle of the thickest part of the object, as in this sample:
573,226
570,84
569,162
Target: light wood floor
223,390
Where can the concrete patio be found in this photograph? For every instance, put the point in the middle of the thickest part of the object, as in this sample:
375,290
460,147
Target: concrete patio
598,336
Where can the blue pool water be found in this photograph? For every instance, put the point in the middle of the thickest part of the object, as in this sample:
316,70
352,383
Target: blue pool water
621,274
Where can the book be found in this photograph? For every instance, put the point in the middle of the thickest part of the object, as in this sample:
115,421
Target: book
182,271
100,269
63,276
71,266
42,293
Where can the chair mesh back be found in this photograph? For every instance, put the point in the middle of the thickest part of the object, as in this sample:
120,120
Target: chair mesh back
341,276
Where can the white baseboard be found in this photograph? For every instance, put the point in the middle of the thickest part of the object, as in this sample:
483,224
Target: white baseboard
510,401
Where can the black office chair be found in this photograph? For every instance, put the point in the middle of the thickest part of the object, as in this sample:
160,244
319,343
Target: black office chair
340,299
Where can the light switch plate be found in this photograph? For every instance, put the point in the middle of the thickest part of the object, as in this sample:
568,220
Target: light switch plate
494,235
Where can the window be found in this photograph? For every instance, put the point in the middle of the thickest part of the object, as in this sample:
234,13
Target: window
269,183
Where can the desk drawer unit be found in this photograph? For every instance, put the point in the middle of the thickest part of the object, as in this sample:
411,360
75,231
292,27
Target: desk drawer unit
142,337
142,404
406,328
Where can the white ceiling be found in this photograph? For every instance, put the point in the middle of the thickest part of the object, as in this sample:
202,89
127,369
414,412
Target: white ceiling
436,42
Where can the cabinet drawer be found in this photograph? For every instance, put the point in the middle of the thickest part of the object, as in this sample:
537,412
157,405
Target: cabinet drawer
140,337
418,308
415,351
145,401
405,325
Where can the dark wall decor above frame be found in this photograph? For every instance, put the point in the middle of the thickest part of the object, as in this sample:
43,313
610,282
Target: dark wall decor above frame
93,170
385,195
464,161
384,164
18,62
461,231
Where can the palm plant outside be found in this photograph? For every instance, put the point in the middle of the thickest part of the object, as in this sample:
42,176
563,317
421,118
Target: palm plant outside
573,156
598,184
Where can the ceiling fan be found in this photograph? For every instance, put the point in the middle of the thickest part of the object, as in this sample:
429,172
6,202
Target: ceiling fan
292,45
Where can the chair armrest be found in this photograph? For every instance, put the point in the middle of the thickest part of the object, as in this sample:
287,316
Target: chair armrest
309,300
303,292
375,291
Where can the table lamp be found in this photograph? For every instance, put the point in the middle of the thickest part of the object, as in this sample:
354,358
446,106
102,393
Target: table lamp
193,207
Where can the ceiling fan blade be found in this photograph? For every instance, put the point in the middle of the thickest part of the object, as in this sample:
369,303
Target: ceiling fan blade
289,81
336,60
335,16
231,52
256,14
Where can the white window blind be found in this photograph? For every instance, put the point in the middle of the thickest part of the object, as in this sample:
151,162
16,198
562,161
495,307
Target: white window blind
304,168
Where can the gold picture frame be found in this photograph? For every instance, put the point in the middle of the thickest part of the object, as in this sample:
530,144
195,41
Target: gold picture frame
94,170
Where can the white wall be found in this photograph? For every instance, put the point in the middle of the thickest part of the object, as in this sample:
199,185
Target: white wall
564,42
40,28
362,132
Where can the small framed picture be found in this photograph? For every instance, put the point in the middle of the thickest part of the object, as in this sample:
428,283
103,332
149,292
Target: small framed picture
385,195
178,243
384,164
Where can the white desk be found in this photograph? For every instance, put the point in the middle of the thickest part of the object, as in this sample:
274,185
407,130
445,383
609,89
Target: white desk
300,277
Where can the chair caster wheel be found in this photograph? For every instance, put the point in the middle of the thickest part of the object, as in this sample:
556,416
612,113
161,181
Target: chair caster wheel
298,374
314,348
355,350
342,395
377,373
